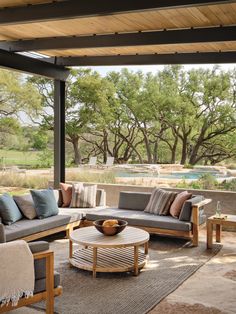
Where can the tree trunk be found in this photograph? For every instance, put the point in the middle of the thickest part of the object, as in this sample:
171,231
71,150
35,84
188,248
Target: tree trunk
77,155
184,150
173,151
105,145
148,148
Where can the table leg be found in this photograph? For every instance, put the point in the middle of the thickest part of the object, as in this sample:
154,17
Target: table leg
94,261
218,233
146,248
136,260
209,234
70,249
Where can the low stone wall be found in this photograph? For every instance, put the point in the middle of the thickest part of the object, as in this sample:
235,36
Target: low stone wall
227,199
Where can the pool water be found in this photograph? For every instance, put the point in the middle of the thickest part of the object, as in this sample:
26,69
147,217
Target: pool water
192,175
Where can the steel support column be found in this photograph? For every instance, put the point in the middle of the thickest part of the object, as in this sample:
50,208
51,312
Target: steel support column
59,132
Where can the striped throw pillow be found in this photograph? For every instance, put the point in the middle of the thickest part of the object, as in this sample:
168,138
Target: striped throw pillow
83,196
160,202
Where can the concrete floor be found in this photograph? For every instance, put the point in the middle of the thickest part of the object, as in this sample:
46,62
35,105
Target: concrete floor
211,290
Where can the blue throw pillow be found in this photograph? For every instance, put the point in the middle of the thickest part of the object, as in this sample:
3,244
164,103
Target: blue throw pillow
9,212
45,203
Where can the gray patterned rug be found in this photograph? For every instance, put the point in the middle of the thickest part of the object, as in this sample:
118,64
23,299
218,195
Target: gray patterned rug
171,262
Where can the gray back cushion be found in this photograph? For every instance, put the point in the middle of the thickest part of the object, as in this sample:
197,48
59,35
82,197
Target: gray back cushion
134,200
186,211
9,212
45,203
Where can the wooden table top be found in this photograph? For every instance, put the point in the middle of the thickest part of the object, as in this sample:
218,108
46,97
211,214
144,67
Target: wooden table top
90,236
231,219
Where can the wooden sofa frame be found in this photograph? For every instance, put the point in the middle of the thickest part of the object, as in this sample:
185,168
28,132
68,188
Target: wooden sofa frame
68,228
47,295
192,235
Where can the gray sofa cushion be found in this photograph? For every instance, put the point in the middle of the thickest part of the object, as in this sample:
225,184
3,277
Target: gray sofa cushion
140,218
134,200
25,227
186,211
40,284
38,246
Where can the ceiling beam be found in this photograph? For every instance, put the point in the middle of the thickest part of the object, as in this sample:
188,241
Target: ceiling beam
153,59
33,66
186,36
78,9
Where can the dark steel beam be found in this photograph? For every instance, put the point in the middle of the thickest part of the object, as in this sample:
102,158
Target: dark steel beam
90,8
185,36
155,59
59,132
33,66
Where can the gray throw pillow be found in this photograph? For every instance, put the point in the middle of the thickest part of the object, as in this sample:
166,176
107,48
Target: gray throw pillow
26,205
45,203
9,212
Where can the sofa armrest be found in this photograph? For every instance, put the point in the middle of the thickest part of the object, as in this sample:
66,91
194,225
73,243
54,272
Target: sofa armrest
2,233
38,246
195,219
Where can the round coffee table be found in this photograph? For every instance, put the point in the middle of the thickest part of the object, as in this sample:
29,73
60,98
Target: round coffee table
100,253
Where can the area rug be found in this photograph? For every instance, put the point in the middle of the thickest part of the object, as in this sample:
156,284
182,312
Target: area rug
171,262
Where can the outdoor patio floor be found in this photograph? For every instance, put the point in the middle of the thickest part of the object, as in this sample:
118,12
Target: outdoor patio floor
210,290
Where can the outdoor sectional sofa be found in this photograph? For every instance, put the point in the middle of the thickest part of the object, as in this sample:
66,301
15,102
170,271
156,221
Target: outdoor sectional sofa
66,220
131,208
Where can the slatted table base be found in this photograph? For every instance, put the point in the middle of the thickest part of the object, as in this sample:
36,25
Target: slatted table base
108,259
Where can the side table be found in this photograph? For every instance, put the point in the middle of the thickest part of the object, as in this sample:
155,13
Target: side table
218,222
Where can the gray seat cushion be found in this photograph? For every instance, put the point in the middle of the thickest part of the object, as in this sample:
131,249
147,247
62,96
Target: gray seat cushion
25,227
40,284
140,218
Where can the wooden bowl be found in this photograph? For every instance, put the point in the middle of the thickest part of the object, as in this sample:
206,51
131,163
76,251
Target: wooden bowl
110,231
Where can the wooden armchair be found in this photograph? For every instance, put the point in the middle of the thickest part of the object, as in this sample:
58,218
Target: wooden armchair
46,287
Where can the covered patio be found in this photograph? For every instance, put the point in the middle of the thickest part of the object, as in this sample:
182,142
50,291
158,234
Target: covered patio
47,38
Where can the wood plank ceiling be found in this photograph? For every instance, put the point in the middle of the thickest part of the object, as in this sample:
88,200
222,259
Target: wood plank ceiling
220,15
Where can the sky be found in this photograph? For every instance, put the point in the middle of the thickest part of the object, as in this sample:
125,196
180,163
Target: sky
103,70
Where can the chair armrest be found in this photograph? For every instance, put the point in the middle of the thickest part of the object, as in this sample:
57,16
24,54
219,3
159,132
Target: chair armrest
49,258
38,246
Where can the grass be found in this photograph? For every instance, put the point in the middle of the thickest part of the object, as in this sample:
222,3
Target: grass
23,182
14,157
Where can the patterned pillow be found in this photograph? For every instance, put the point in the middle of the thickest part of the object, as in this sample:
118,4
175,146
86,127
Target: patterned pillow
170,197
159,202
83,196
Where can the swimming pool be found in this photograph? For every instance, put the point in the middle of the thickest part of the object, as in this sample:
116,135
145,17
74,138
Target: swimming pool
191,175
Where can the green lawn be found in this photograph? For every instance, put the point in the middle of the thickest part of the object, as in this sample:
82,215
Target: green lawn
13,157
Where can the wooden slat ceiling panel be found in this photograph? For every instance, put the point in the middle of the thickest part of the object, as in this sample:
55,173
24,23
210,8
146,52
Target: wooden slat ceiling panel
153,20
206,47
15,3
